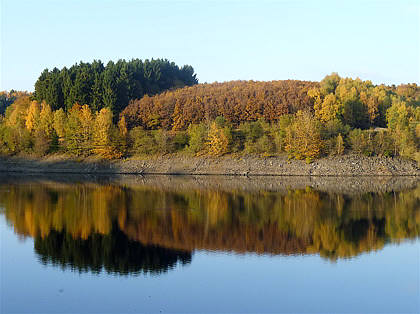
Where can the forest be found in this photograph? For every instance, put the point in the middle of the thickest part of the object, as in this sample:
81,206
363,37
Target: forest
136,108
112,85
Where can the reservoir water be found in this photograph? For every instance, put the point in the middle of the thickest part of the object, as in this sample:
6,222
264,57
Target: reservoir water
130,244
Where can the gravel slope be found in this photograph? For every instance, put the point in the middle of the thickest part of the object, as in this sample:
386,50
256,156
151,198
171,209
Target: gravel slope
347,165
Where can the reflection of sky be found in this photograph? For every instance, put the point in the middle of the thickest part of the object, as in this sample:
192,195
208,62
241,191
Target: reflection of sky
382,281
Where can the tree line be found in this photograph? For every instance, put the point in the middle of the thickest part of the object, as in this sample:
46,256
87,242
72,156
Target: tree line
305,120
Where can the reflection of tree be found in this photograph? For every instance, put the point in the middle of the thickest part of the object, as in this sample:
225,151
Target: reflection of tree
114,253
298,222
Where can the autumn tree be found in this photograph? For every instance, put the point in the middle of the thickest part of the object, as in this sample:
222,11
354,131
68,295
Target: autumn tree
328,109
15,136
197,134
217,139
339,144
141,142
75,141
32,116
87,119
304,119
236,101
122,127
46,119
44,134
357,103
403,122
106,137
304,137
59,123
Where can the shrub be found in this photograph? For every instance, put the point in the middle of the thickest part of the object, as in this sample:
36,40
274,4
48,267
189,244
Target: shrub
383,144
238,141
180,141
142,142
334,145
252,131
333,128
42,143
16,140
163,141
339,144
265,146
361,142
372,142
278,132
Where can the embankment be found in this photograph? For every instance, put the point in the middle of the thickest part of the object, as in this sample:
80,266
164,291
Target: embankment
347,165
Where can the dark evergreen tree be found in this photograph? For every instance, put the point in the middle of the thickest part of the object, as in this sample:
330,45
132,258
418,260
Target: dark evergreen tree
6,99
113,85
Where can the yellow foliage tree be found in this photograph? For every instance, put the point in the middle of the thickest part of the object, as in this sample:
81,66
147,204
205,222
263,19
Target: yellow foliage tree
303,137
86,119
46,119
32,116
59,123
340,144
105,139
17,112
328,109
122,126
42,130
217,141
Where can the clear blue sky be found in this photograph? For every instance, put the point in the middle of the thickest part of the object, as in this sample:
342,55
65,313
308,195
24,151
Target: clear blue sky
222,40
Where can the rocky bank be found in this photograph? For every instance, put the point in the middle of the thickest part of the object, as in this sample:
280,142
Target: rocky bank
347,165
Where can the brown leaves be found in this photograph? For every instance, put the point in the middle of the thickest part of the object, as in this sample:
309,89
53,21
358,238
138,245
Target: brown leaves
236,101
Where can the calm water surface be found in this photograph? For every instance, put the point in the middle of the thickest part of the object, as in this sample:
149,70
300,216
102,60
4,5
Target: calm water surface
120,245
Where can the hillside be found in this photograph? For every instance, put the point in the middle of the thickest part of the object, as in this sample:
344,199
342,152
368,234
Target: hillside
298,119
236,101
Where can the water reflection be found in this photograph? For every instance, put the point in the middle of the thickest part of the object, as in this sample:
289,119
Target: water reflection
112,252
149,228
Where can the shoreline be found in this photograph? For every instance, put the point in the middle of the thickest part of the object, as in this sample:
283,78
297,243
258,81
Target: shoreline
347,165
252,184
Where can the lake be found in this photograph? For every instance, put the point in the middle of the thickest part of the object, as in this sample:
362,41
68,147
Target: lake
124,244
